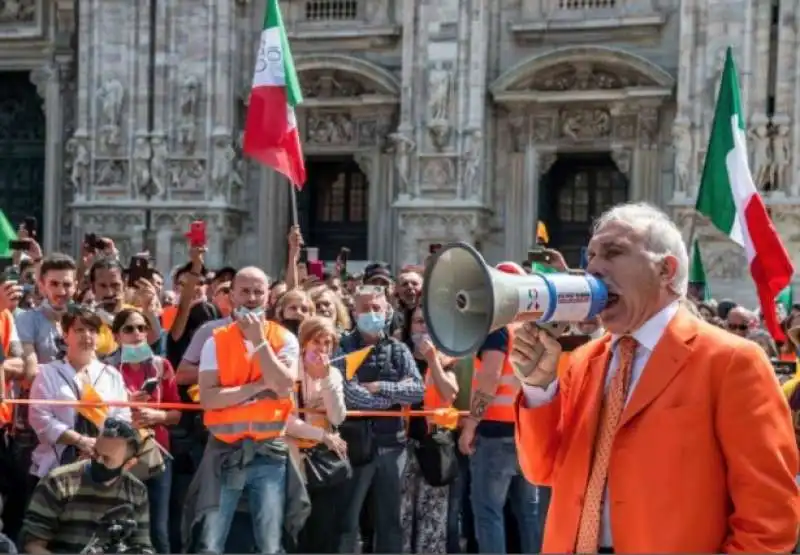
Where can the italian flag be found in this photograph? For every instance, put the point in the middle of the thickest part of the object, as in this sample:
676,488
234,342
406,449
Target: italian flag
728,197
270,133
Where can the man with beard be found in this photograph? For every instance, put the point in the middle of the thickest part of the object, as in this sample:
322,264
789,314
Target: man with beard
663,423
108,287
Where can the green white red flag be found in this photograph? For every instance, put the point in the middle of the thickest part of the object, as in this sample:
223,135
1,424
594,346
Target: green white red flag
728,197
270,133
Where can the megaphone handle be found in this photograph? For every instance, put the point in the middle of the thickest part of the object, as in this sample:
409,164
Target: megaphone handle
555,330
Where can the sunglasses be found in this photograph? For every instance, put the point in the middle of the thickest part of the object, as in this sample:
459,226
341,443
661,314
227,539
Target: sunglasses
129,328
738,327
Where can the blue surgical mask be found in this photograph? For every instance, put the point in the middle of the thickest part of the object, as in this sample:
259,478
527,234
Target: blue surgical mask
136,353
242,310
371,323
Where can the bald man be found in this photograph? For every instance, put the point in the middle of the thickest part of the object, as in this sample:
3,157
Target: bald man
740,321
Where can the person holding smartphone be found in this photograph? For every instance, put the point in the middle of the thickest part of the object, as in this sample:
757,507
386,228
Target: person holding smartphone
140,368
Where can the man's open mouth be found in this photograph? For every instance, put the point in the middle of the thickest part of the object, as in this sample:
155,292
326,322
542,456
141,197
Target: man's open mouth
613,299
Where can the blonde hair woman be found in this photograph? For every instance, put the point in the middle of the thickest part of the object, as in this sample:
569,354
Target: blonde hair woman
292,308
320,388
329,304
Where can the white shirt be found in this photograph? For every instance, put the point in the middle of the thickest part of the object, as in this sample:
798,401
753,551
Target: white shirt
50,421
647,338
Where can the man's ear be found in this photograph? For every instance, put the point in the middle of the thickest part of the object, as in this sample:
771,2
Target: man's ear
669,268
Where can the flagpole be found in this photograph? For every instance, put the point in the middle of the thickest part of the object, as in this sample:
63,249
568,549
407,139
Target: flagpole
293,199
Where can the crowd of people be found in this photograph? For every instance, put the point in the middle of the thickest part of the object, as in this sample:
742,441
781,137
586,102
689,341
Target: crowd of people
235,413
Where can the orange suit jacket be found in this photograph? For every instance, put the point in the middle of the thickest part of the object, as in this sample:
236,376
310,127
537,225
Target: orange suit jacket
704,460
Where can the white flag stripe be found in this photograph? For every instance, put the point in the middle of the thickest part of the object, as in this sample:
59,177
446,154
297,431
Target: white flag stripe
742,187
270,71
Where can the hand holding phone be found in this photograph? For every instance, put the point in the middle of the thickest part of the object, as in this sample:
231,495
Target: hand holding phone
149,386
540,256
197,234
139,268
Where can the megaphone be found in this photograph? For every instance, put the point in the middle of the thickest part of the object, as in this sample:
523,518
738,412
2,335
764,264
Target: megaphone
464,299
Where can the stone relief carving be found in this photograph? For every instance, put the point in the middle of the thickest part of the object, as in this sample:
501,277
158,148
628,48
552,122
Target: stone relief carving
545,161
584,77
648,127
141,165
760,154
622,158
110,174
238,170
159,175
332,84
77,163
781,160
402,146
473,153
518,131
189,103
222,167
585,124
187,175
112,98
440,93
625,127
543,128
330,129
17,11
682,143
364,161
438,173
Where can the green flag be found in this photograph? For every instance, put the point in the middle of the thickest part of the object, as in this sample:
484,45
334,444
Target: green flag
786,298
697,274
7,234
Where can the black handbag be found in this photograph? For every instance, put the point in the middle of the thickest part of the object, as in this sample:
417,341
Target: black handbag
357,432
436,455
323,468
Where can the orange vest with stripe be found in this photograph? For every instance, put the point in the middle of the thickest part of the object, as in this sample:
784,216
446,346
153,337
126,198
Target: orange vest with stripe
168,317
432,399
259,419
6,325
501,408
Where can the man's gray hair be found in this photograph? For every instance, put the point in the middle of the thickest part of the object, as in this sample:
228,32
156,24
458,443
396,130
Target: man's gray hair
662,237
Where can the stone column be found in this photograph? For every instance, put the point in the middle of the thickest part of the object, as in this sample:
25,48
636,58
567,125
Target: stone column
163,254
377,222
48,84
521,201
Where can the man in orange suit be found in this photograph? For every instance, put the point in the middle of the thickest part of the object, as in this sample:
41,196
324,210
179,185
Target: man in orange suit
666,435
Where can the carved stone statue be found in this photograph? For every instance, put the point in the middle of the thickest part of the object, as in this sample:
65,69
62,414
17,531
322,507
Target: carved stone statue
189,103
140,176
112,97
402,146
440,92
472,164
222,166
761,155
781,160
78,152
682,143
158,165
17,11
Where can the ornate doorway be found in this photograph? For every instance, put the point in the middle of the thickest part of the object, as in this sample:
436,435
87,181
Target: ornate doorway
333,207
22,148
576,190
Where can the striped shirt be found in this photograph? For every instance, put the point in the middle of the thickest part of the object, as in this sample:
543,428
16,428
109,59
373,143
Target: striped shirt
66,508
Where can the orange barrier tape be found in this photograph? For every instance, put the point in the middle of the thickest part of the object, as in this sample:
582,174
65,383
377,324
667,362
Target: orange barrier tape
195,407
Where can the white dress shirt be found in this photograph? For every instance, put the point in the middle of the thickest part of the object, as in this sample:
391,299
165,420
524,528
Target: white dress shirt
50,421
647,338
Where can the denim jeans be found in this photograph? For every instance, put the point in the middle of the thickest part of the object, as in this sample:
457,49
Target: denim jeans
264,482
385,474
159,489
495,477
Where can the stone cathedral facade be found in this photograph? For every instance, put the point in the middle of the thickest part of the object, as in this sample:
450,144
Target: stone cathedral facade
424,121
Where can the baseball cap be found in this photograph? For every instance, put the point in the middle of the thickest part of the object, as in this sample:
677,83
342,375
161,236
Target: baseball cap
378,273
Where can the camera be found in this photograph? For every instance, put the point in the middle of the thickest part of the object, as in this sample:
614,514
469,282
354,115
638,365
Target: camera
116,527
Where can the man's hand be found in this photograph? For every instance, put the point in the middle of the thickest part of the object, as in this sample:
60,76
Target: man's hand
372,387
145,297
10,292
147,417
295,241
196,255
252,327
534,355
466,441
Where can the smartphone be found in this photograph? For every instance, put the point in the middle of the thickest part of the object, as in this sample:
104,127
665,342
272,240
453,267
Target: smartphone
139,268
19,245
8,272
197,234
94,242
571,342
540,256
149,386
434,248
30,224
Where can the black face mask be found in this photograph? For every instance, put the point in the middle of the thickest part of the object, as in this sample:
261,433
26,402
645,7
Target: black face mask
291,325
101,474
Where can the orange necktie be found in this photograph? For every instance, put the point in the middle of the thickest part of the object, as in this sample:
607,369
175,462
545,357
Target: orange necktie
613,403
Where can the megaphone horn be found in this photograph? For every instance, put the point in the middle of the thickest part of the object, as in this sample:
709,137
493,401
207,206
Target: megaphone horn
464,299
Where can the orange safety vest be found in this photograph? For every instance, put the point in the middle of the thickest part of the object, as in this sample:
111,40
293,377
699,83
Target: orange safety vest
168,317
432,401
6,323
260,419
501,408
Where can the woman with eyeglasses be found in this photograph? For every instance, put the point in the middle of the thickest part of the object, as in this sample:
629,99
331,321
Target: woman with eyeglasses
149,378
65,433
